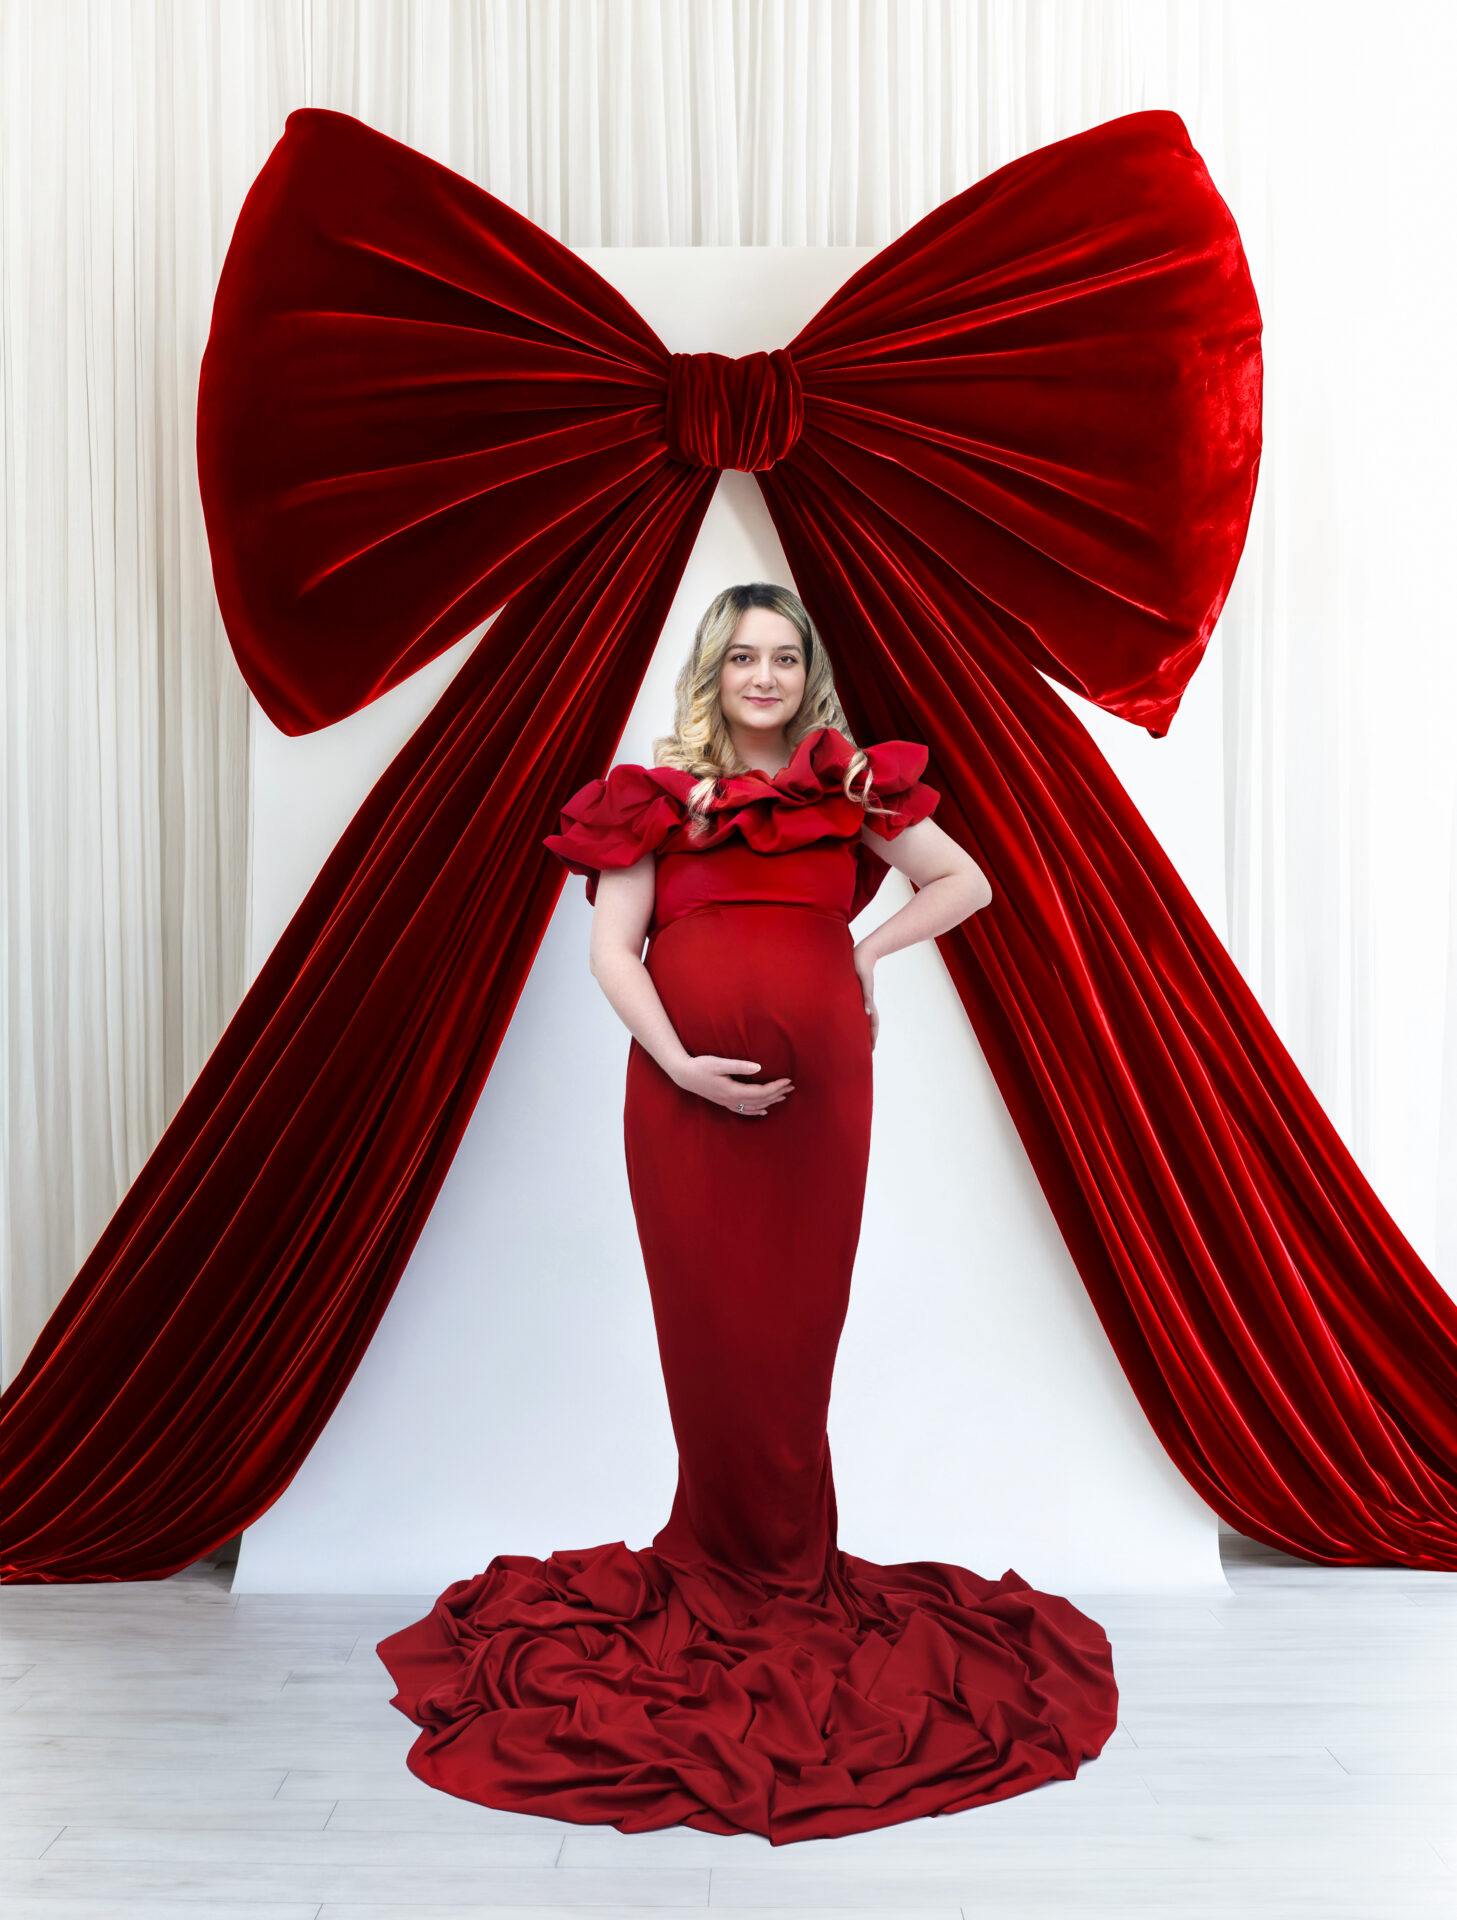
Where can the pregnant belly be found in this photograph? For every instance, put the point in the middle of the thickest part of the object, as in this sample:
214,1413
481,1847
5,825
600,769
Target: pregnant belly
764,982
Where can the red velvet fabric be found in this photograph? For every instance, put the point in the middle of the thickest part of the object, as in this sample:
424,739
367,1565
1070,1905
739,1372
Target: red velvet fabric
1029,445
745,413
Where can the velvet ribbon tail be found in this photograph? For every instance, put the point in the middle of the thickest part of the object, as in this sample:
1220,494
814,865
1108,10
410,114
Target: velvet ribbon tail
1294,1355
208,1336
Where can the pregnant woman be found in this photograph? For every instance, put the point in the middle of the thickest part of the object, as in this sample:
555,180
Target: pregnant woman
744,1674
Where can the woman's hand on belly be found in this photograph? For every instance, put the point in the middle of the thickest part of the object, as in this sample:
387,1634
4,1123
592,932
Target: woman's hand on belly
710,1076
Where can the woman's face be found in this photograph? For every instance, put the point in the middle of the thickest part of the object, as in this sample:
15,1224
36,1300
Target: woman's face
761,682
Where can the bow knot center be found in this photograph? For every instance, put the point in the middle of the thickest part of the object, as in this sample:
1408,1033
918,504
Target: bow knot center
745,413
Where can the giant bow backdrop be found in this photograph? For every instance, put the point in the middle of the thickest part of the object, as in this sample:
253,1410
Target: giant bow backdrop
1021,441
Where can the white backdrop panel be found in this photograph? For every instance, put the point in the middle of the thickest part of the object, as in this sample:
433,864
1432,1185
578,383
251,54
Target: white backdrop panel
511,1400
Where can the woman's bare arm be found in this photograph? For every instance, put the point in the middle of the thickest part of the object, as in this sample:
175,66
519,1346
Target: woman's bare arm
620,922
951,888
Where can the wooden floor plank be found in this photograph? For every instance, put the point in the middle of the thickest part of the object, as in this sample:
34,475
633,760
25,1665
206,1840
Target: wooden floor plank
170,1750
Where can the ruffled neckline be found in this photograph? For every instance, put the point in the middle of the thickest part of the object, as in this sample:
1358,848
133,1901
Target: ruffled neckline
633,810
814,768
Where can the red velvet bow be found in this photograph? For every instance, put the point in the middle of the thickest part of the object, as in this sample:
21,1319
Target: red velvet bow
1024,437
414,400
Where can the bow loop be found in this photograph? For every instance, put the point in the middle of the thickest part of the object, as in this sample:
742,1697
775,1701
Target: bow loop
746,413
414,402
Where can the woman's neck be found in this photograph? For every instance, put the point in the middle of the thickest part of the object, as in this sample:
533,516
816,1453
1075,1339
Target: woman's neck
765,752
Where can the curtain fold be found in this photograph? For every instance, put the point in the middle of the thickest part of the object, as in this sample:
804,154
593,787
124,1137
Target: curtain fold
191,1364
1030,437
1294,1355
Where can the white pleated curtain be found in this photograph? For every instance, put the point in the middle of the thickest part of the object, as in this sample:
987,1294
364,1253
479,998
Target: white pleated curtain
131,131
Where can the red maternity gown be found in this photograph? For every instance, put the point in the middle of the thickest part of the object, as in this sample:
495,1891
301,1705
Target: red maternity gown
745,1674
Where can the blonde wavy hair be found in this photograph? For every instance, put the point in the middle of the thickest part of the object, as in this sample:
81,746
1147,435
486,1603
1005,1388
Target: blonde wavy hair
700,742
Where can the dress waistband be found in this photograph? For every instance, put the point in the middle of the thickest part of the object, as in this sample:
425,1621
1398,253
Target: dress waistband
728,906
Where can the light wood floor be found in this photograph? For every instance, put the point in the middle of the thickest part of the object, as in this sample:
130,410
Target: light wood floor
171,1751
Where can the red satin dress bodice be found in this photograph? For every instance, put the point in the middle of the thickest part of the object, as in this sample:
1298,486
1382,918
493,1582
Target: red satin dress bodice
821,878
744,1673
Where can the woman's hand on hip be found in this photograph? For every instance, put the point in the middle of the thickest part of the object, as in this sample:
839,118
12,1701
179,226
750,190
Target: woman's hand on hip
865,973
711,1076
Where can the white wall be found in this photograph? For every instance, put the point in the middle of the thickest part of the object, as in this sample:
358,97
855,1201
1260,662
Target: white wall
511,1400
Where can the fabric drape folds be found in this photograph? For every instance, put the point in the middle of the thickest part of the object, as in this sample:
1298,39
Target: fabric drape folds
1029,441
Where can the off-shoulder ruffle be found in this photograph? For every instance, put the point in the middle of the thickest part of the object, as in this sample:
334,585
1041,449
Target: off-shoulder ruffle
613,822
632,811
